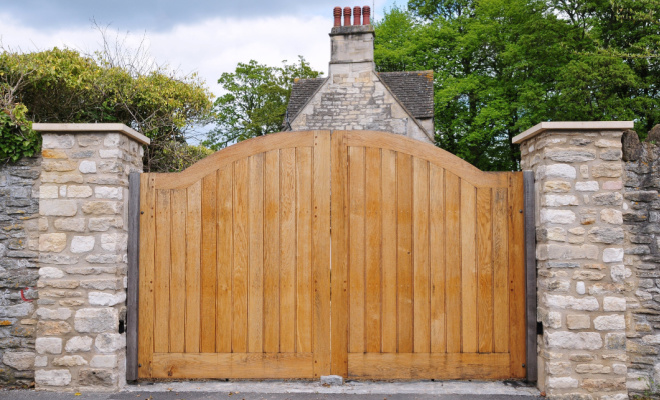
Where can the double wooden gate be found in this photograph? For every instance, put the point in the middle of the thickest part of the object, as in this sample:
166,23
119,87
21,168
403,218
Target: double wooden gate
354,253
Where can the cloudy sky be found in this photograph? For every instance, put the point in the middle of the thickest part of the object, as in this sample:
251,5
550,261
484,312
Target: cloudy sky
204,36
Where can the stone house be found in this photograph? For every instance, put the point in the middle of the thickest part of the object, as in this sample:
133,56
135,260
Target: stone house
355,96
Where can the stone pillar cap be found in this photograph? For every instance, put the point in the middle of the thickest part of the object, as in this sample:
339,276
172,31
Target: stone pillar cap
92,128
572,126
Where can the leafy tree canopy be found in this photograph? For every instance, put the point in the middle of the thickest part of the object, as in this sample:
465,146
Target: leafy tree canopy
61,85
502,66
255,101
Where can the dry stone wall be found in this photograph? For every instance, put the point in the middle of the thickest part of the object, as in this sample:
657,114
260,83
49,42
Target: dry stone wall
19,237
583,280
81,314
642,256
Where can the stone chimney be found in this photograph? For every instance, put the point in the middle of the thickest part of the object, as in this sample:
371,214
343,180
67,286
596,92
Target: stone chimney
352,45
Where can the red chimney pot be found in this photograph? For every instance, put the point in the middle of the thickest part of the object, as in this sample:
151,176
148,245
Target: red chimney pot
337,14
347,16
366,15
357,13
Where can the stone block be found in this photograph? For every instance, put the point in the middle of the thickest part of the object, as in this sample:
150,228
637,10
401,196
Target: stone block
104,361
109,342
104,223
61,177
87,167
612,255
620,273
97,377
53,314
58,208
562,382
564,171
20,360
89,140
101,284
69,361
614,304
40,361
606,170
54,141
607,235
610,323
577,341
53,328
70,224
52,242
611,216
50,273
96,320
53,154
566,252
592,369
55,377
604,385
18,310
48,345
332,380
106,299
78,344
102,207
556,187
607,199
571,303
590,186
114,241
79,191
615,341
82,244
105,192
557,200
48,192
578,321
58,166
559,368
571,155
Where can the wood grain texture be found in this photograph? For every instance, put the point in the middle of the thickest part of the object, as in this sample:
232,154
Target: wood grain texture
178,272
356,253
162,272
373,232
339,235
239,290
288,250
421,266
272,253
404,253
517,340
387,366
147,258
485,269
193,259
453,261
225,260
233,365
304,282
389,250
256,274
208,264
500,271
438,252
469,328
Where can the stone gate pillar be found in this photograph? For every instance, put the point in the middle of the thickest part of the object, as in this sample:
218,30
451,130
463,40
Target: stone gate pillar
582,278
83,191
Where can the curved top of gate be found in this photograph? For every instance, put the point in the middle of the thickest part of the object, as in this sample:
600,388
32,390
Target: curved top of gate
375,139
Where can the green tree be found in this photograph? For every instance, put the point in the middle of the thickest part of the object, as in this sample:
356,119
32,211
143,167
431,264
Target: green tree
255,101
61,85
502,66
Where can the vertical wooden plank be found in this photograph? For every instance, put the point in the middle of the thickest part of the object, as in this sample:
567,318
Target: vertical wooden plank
517,275
389,214
193,257
225,254
146,290
404,253
421,272
132,290
256,246
178,272
438,251
356,247
272,252
453,261
469,267
373,250
288,250
339,255
304,250
321,252
239,288
208,264
485,269
530,275
500,271
162,272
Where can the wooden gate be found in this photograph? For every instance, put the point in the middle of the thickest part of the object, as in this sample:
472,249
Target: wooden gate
427,263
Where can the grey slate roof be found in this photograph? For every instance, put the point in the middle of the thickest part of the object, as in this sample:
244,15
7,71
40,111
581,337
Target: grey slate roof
301,91
414,89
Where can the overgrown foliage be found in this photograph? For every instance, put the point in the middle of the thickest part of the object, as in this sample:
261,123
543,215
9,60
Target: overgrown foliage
61,85
502,66
255,101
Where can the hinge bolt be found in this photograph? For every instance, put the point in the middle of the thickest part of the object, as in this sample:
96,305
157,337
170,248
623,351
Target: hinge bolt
139,365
